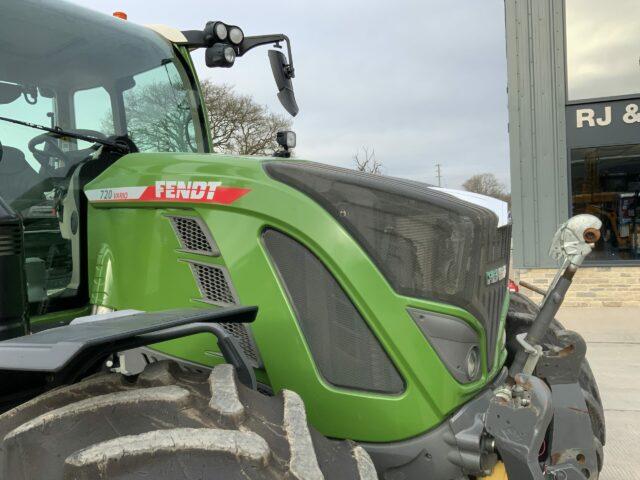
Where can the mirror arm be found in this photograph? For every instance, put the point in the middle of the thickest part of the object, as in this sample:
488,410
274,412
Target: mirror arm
195,39
251,42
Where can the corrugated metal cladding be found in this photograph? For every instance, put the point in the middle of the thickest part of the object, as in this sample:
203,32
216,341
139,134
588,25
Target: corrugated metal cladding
537,133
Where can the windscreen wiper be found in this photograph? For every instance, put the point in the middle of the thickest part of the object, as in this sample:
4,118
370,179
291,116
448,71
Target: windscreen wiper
116,145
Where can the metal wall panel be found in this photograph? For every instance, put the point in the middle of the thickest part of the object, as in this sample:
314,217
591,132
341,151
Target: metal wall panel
537,134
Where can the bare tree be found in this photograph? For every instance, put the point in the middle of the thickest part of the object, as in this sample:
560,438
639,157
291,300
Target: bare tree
487,184
366,161
238,124
159,118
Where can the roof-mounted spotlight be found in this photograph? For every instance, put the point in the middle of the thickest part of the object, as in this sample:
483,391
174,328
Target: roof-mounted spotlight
215,31
220,55
236,35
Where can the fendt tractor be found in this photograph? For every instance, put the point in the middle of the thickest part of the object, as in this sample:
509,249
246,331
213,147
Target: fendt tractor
171,313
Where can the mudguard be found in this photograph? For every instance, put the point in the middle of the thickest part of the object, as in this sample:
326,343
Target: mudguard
35,363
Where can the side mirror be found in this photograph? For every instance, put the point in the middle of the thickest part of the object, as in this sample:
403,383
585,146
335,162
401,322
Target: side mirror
282,74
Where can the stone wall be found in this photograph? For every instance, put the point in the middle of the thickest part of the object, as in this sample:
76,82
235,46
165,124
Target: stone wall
592,286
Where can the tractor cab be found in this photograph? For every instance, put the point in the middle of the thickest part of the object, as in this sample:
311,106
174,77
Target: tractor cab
93,83
103,78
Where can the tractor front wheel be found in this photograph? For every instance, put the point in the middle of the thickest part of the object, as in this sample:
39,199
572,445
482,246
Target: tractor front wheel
168,423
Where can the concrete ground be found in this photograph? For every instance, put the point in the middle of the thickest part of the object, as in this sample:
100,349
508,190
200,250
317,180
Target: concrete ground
613,342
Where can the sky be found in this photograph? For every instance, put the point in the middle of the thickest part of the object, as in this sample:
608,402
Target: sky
422,82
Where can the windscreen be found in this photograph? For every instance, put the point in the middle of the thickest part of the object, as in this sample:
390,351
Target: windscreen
82,70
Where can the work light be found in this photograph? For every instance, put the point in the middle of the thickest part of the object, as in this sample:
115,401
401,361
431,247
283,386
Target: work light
229,54
220,30
286,139
236,35
220,55
215,32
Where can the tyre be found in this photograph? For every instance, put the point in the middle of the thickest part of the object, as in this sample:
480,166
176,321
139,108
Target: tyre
167,423
522,312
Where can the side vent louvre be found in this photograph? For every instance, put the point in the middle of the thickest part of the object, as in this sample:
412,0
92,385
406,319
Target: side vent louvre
215,287
345,350
194,236
244,338
213,284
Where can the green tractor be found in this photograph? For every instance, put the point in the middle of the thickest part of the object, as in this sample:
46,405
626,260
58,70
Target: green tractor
171,313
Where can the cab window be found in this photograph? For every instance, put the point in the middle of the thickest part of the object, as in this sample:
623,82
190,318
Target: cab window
93,112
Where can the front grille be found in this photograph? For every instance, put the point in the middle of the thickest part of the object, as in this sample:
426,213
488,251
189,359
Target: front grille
427,243
343,347
493,295
194,235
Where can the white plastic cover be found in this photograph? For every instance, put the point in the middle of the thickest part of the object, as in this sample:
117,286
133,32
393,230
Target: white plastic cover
500,208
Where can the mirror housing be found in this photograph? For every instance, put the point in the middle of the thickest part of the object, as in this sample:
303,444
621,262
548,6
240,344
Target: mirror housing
282,74
9,92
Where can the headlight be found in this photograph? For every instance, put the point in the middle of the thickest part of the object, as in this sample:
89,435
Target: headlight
454,340
473,363
236,35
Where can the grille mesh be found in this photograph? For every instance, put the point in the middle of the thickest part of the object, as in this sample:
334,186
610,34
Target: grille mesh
213,284
344,349
194,236
492,296
428,244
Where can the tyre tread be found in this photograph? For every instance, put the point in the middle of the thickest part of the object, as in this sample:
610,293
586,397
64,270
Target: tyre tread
94,428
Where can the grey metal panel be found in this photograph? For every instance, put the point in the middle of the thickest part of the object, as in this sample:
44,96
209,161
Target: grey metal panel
537,135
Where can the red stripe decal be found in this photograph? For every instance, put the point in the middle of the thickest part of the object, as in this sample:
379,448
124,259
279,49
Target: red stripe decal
228,195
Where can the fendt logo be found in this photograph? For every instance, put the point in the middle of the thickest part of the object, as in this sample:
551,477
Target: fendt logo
170,191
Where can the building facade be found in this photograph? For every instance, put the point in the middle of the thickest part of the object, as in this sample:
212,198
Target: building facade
574,131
